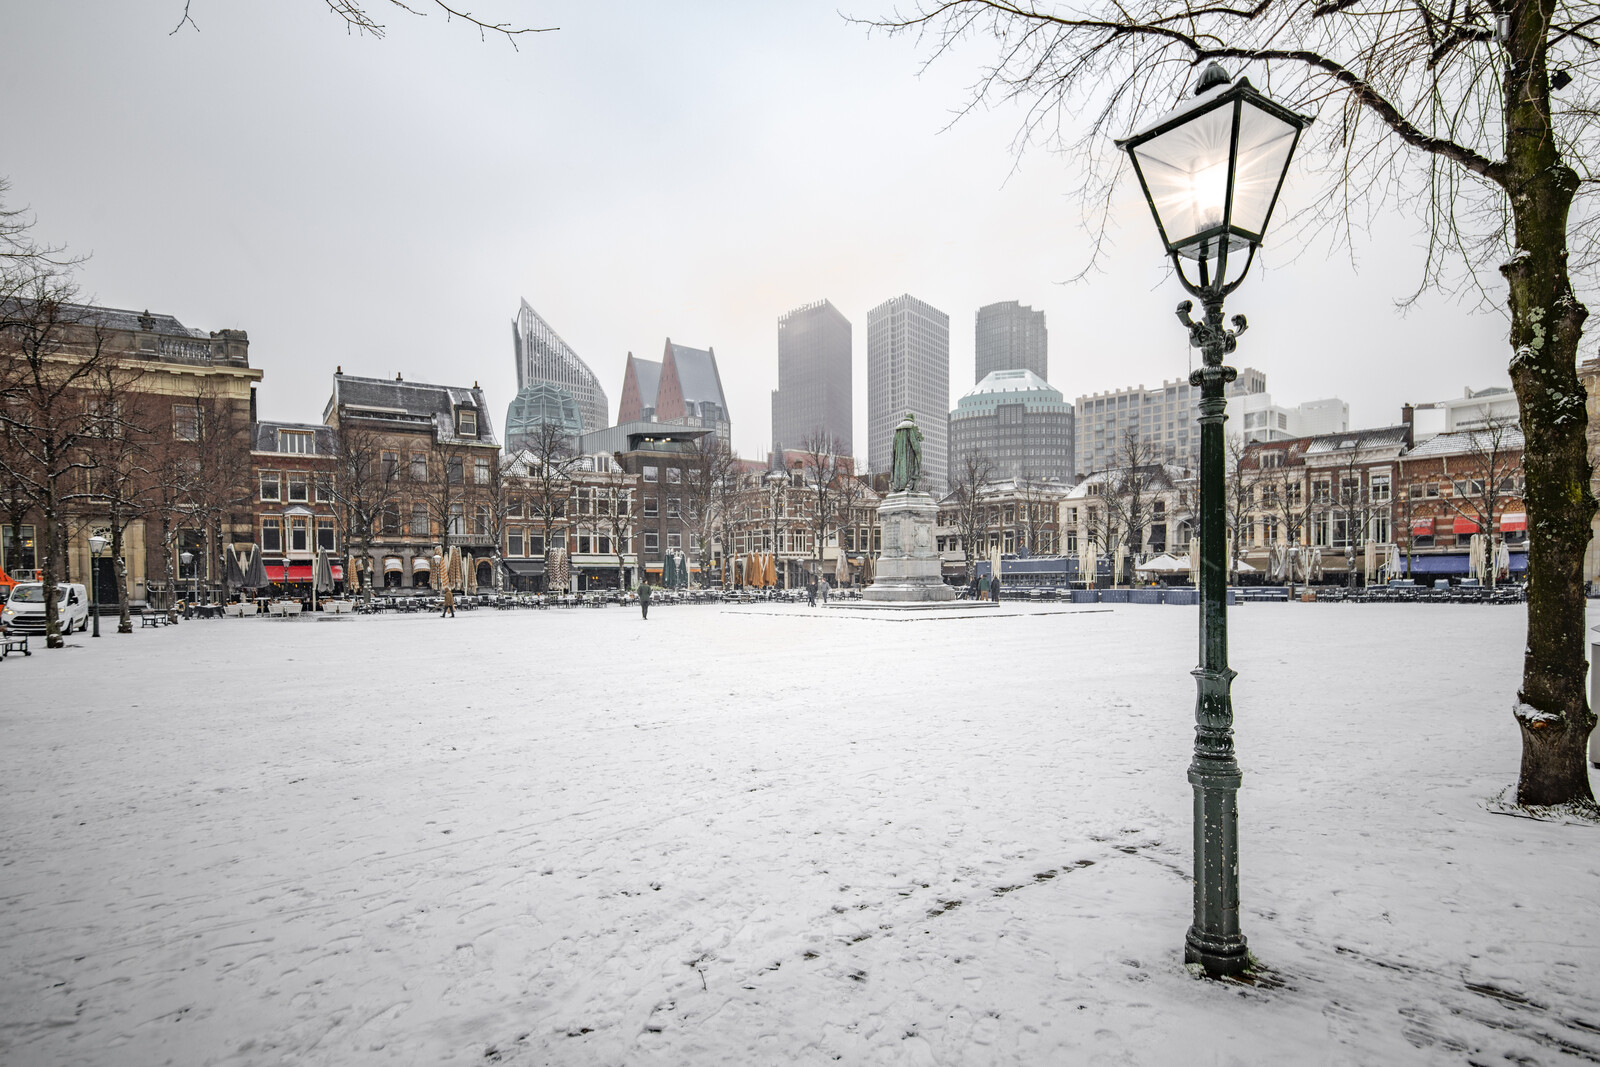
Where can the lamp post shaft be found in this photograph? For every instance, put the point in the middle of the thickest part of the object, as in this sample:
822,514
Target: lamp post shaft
94,599
1214,940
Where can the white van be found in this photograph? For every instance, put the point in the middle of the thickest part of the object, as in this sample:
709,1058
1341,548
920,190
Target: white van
24,611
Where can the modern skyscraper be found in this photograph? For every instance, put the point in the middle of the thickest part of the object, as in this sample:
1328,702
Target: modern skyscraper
544,358
814,369
1015,420
1010,336
1166,421
908,369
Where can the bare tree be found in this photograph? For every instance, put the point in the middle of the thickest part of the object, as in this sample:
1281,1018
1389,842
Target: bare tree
216,446
823,470
364,485
1494,467
445,491
1492,110
1239,489
550,457
1036,511
123,425
50,353
1129,494
1285,499
613,495
972,475
709,482
359,19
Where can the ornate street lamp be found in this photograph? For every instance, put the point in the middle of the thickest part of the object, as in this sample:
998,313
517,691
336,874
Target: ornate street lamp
186,558
97,545
1211,171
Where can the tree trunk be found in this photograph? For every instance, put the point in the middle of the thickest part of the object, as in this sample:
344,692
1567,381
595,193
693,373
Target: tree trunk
49,568
124,613
1546,325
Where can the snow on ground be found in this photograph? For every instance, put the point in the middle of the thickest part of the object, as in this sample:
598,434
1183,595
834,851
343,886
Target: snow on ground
744,836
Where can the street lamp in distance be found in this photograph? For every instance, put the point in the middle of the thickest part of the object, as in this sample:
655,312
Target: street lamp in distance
97,545
187,559
1212,170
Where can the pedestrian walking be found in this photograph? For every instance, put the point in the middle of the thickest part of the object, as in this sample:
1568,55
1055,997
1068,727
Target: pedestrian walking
824,590
994,589
811,594
972,590
983,587
449,603
644,599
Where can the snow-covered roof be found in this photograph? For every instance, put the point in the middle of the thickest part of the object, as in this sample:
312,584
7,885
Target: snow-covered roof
1464,441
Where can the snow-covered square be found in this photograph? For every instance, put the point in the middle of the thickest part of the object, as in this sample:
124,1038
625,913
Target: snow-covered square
771,836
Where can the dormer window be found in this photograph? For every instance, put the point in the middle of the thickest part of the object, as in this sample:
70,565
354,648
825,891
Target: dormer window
466,422
298,441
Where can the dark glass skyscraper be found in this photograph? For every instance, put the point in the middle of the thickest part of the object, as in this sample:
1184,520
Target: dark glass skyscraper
814,370
1011,336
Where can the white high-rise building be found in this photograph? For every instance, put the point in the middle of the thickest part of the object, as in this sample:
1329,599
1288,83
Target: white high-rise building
908,370
543,358
1256,418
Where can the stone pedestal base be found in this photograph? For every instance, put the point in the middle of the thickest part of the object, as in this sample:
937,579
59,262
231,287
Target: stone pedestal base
909,569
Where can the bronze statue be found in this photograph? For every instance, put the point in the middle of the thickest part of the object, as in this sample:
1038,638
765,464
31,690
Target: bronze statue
907,467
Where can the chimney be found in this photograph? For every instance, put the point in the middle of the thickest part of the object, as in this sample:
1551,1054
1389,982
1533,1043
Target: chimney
397,377
1408,416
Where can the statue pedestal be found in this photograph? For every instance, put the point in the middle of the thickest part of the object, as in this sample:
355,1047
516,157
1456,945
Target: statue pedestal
909,569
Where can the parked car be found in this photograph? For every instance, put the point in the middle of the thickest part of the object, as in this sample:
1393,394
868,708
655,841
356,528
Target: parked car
24,611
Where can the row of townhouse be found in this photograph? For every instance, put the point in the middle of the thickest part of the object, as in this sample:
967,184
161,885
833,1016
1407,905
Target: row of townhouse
1337,493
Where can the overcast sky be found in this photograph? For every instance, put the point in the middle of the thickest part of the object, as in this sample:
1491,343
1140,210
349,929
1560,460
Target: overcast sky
652,170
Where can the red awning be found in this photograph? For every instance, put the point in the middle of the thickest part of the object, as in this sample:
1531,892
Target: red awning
302,572
1465,525
1514,520
1421,527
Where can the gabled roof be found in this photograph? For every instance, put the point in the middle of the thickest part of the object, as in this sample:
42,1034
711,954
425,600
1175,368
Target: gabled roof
1359,440
697,375
641,381
1464,442
413,401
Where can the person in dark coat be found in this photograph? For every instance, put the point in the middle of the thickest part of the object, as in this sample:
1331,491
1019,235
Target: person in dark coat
811,594
644,599
449,603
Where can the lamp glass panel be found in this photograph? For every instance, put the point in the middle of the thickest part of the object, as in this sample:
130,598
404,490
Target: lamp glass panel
1186,172
1264,145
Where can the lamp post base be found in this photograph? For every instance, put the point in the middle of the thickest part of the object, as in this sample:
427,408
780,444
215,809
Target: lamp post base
1220,956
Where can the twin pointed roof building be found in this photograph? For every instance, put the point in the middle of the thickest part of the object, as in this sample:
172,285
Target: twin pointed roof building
555,386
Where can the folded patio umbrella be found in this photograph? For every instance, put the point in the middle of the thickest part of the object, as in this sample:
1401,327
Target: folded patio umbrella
255,570
232,570
772,571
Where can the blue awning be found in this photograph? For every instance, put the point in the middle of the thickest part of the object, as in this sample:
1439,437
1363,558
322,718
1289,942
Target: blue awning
1456,563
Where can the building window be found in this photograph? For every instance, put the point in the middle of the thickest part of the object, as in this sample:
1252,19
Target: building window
514,542
480,472
186,422
271,488
298,534
480,521
652,541
651,474
674,475
458,521
324,488
419,466
419,520
453,468
583,544
298,489
466,422
272,535
390,523
17,557
325,534
301,442
391,466
1380,492
1379,529
652,507
535,544
674,508
602,544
